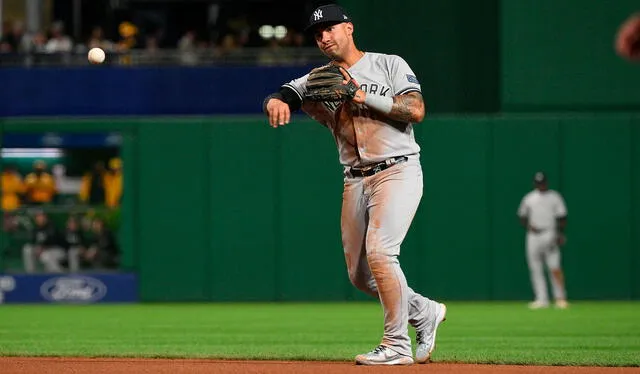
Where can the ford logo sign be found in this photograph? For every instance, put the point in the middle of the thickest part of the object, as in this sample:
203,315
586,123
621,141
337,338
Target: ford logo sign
73,289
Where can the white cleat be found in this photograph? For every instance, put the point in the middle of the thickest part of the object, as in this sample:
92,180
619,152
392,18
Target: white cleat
562,304
426,338
538,305
383,355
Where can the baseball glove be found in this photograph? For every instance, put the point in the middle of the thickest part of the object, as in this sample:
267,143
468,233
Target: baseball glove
326,83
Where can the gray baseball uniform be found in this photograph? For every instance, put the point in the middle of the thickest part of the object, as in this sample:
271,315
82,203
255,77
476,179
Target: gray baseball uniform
542,209
377,210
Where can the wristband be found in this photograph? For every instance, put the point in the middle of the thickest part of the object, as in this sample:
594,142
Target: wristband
380,103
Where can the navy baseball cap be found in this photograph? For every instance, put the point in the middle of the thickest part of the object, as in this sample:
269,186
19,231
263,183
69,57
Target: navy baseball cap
540,177
325,14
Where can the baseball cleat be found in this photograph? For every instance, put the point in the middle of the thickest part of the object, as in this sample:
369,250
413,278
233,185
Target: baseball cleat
426,338
383,355
562,304
538,305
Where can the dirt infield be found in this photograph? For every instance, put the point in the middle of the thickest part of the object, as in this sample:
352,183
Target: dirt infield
33,365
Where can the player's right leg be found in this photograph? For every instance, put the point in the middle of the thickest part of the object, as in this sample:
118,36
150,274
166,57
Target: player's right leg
553,259
536,270
421,308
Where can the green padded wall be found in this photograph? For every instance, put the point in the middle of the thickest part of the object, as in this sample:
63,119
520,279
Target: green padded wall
243,233
227,208
454,228
634,263
559,55
312,264
452,46
596,180
173,188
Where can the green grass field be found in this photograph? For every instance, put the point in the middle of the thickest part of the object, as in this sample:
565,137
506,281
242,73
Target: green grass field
589,333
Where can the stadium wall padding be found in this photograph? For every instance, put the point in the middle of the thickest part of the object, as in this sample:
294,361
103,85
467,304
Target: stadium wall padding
227,208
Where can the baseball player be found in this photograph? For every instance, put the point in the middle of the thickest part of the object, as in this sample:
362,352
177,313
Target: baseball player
544,215
369,102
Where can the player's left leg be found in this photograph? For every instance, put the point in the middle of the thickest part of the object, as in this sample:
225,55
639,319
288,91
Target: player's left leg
536,244
553,259
354,222
393,198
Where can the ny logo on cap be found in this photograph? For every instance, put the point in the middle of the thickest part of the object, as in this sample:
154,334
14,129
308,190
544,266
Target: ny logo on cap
317,14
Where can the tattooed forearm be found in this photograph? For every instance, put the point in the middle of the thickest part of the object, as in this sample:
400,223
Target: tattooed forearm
408,108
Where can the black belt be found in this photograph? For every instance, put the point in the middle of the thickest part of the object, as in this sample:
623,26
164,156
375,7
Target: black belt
370,170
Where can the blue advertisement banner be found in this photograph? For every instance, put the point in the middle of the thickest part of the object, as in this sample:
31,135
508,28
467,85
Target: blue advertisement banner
68,288
116,91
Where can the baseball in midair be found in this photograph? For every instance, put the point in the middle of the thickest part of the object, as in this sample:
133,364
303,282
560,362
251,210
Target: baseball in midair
96,56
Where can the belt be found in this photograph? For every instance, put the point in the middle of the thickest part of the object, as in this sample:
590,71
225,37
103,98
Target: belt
370,170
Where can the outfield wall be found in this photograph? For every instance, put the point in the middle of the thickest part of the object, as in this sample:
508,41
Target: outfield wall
491,55
227,208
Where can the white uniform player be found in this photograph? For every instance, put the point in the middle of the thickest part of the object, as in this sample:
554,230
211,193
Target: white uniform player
543,213
382,178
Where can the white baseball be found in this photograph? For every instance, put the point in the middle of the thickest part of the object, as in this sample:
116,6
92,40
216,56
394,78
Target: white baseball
96,56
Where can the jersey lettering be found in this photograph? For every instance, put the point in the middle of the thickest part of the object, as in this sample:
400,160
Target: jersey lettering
373,89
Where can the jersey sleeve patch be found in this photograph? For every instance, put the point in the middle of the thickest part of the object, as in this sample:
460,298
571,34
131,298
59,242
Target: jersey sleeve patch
412,79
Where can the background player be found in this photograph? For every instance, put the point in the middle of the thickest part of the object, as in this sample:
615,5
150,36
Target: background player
544,214
383,178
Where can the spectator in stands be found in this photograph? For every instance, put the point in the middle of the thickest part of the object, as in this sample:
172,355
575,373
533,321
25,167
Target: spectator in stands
151,49
73,241
188,49
113,183
93,186
65,184
37,44
20,40
13,38
12,188
292,41
5,40
102,250
12,191
5,47
97,40
272,54
40,185
59,42
44,246
228,47
128,34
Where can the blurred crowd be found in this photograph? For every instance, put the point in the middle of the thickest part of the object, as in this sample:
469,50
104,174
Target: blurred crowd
67,238
273,48
101,186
